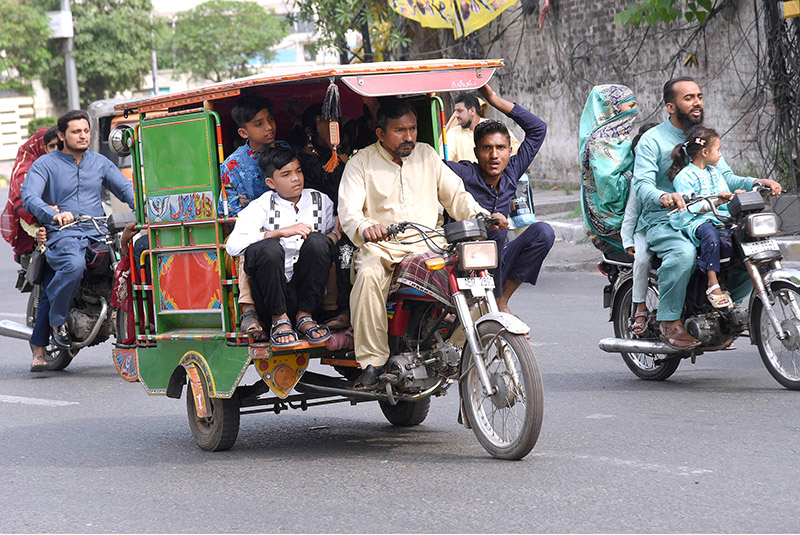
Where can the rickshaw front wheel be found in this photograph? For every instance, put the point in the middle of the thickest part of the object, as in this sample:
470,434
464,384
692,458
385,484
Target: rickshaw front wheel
217,432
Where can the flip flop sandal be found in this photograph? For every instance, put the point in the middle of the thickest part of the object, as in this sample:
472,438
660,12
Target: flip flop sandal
637,328
39,364
338,322
250,323
274,333
312,329
722,300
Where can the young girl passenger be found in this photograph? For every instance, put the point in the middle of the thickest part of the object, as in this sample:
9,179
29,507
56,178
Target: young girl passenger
693,171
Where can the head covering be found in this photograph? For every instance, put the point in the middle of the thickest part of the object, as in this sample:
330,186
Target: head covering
606,160
9,222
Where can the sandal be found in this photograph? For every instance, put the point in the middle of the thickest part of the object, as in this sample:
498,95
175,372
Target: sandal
39,364
638,328
339,322
312,329
722,300
274,333
250,323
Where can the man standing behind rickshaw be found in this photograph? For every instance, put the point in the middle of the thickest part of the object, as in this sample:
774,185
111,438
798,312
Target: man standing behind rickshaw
391,181
71,179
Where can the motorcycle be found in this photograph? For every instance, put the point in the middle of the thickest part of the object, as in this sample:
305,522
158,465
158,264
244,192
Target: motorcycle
771,320
91,319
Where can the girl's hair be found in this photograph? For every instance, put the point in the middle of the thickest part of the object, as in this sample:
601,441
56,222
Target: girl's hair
697,138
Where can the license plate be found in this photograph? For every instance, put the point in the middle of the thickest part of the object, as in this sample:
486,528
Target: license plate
759,247
468,283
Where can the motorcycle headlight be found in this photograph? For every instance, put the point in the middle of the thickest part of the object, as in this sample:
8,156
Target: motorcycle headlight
762,225
477,255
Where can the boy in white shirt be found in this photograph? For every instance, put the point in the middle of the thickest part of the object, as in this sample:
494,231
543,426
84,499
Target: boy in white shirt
287,239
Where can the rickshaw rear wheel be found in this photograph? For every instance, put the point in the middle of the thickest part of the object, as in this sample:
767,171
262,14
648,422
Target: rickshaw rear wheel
406,413
218,432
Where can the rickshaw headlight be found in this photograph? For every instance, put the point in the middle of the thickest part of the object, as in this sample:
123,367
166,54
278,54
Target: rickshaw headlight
477,255
762,225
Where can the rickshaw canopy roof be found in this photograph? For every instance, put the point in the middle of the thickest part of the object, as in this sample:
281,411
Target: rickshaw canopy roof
366,79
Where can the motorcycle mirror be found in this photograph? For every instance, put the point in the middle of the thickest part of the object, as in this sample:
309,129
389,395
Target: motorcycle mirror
116,140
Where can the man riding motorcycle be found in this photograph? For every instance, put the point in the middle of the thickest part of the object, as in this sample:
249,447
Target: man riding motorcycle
70,179
683,100
390,181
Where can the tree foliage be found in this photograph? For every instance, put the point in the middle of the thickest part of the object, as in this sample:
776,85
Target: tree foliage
111,49
223,39
667,11
374,19
23,44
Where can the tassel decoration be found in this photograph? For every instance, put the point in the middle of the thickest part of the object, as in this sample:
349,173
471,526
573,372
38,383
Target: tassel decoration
331,111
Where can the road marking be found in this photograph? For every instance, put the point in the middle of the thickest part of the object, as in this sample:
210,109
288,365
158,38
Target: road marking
599,416
637,465
36,401
13,314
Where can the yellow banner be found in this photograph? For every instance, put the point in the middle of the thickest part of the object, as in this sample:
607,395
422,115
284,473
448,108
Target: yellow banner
463,16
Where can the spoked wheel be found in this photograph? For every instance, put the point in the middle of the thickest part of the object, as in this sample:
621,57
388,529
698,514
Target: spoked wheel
643,365
218,431
57,358
781,357
406,413
506,423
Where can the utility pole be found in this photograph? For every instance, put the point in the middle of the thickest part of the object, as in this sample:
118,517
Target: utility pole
153,54
73,96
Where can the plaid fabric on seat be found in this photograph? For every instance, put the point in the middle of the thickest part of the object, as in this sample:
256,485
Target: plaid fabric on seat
411,272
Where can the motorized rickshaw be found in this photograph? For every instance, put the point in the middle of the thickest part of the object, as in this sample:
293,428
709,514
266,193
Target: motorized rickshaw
186,307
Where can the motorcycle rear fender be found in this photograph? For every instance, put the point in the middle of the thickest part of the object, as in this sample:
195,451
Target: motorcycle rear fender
510,322
624,279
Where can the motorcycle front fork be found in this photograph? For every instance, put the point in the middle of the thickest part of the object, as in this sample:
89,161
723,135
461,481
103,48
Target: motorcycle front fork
763,296
471,333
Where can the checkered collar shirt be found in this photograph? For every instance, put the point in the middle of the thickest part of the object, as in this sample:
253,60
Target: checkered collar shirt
271,212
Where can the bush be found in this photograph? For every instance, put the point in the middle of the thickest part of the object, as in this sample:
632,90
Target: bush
39,122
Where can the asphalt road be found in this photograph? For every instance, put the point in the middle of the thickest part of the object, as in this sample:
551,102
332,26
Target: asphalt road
713,449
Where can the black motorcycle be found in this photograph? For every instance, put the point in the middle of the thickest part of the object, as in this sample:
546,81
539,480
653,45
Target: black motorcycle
91,319
771,320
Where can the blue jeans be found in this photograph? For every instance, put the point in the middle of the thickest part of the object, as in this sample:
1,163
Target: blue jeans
67,258
41,330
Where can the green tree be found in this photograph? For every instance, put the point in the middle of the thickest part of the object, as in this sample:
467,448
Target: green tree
222,39
379,26
112,49
23,44
652,11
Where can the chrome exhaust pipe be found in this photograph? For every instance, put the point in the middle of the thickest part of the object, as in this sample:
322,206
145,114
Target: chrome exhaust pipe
633,345
12,329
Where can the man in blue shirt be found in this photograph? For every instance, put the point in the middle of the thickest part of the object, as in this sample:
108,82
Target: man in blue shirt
684,103
62,183
492,181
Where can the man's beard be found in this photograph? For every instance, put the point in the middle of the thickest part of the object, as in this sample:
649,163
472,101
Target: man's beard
685,120
405,149
76,149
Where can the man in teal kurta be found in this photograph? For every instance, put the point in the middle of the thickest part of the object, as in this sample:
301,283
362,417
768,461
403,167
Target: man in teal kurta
684,103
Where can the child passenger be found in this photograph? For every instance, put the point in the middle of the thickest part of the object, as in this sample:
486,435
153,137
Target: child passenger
693,171
635,244
244,181
287,254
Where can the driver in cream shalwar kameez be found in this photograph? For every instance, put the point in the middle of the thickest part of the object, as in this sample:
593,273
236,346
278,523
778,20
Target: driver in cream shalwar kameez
375,189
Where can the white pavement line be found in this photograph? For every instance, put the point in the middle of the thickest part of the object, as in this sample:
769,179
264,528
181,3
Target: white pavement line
636,465
36,401
13,314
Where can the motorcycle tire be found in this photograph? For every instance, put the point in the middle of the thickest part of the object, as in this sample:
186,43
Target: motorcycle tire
782,358
219,431
406,413
507,423
643,365
57,359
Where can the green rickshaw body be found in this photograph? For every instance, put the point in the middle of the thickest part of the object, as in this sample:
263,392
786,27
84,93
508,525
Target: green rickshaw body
186,307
